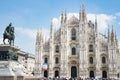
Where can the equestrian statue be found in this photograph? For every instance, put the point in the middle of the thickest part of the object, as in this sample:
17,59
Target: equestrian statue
9,34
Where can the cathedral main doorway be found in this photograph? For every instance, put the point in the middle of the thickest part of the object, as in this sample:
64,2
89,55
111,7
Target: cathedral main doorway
73,71
104,74
45,73
92,74
56,73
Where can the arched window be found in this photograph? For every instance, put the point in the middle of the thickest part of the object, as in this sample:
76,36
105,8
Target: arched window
73,51
91,60
56,60
90,48
73,34
46,60
57,49
103,60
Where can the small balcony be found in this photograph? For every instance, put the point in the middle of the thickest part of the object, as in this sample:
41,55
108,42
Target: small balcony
104,66
73,42
73,58
91,54
91,65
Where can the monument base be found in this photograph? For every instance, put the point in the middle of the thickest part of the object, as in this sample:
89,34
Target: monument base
9,64
12,68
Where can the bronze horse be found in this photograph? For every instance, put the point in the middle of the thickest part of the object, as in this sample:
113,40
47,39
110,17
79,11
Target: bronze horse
9,34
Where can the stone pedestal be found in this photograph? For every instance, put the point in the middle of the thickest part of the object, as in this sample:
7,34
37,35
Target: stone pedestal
8,52
9,64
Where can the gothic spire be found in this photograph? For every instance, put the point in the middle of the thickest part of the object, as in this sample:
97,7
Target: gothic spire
65,17
62,16
39,38
36,38
112,30
108,34
52,29
51,25
112,35
116,40
96,26
82,14
83,6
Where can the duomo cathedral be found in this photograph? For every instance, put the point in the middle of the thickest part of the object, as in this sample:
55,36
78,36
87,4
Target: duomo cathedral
77,49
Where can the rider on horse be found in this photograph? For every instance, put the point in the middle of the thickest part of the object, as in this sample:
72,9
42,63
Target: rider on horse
7,30
9,34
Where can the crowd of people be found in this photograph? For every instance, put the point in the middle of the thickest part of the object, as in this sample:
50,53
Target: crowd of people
77,78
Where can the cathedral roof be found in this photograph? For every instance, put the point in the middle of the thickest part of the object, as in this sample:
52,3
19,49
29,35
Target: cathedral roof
73,20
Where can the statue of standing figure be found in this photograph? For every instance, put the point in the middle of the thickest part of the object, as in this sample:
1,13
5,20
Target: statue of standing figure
9,34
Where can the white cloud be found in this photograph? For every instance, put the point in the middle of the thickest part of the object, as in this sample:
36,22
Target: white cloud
46,33
117,14
25,38
26,31
102,19
119,23
31,33
56,23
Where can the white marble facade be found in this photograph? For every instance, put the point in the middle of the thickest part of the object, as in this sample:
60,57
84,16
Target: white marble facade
77,49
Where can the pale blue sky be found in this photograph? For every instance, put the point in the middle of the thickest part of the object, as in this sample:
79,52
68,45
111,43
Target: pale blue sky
30,15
